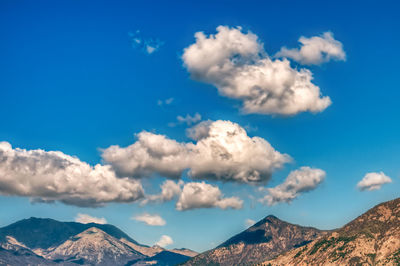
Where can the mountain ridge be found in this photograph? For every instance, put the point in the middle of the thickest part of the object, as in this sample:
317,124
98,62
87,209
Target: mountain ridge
373,238
45,241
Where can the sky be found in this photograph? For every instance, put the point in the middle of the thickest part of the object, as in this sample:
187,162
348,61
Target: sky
237,109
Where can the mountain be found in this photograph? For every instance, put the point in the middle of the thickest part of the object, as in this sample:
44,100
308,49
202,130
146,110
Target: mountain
37,241
265,239
18,255
185,251
94,246
371,239
44,233
164,258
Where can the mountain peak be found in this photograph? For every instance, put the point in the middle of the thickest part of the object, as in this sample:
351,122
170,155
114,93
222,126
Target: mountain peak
267,238
96,247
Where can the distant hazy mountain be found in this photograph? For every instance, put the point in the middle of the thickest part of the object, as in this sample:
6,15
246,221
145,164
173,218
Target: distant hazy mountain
45,233
266,239
371,239
37,241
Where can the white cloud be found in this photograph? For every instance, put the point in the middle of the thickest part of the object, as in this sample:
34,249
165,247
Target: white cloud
201,195
150,219
222,151
147,45
299,181
193,195
164,241
188,119
54,176
236,63
315,50
150,154
165,102
373,181
169,190
249,222
86,219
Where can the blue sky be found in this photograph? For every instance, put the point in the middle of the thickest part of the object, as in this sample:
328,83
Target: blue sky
72,81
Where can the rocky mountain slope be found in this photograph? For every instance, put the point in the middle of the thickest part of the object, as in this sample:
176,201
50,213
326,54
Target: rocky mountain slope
371,239
37,241
94,246
265,239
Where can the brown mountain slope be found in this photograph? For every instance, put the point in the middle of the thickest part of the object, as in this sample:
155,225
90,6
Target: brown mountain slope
266,239
371,239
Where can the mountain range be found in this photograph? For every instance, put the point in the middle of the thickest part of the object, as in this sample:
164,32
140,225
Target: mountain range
373,238
37,241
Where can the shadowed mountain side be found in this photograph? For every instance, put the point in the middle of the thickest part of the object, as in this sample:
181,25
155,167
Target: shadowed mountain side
44,233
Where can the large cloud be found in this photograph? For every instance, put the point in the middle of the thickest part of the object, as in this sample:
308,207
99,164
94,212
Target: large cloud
55,176
150,154
201,195
236,63
299,181
373,181
222,151
315,50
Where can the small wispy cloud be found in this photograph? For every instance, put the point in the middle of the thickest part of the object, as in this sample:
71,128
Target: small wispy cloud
147,45
150,219
188,120
86,219
249,222
165,102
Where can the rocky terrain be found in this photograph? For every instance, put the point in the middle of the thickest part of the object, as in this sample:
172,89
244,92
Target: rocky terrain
38,241
371,239
265,239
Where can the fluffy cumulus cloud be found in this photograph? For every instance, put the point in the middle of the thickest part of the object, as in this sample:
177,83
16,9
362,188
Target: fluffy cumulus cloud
238,66
164,241
169,191
86,219
201,195
193,195
150,154
299,181
315,50
150,219
222,151
373,181
50,176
